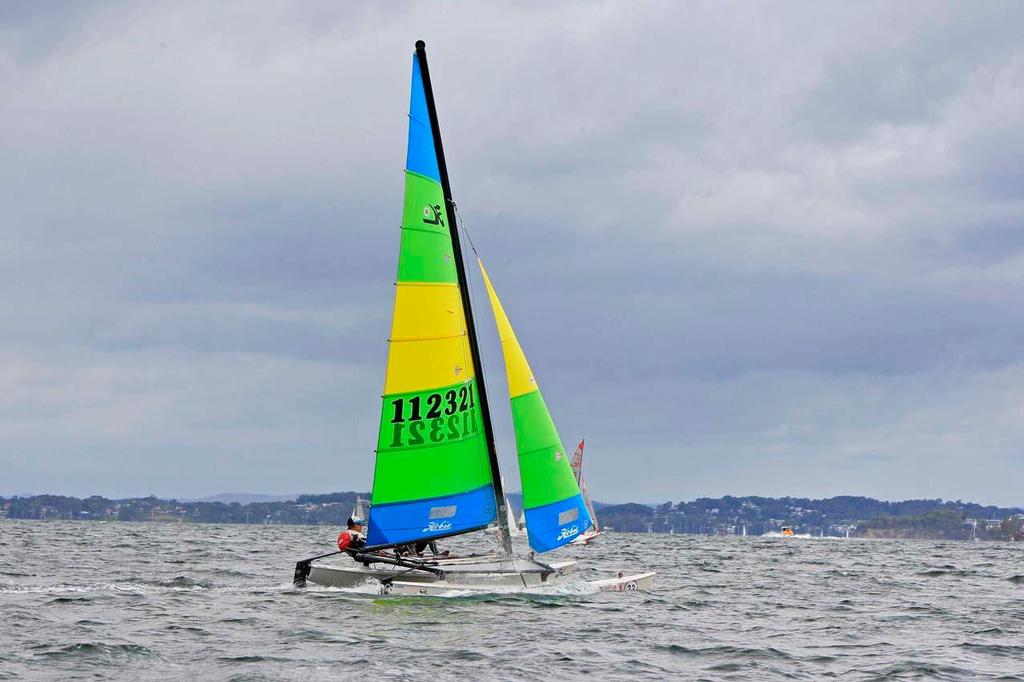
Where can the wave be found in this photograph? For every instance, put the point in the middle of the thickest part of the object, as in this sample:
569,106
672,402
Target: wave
91,650
142,586
734,652
1013,650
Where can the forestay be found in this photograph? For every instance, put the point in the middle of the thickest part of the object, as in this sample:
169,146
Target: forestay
554,507
432,476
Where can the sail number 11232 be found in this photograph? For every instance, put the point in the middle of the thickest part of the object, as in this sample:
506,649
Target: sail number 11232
434,418
433,405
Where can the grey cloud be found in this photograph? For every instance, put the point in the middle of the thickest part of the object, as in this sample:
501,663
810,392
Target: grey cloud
755,250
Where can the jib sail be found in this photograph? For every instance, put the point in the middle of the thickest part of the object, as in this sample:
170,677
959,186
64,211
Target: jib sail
554,507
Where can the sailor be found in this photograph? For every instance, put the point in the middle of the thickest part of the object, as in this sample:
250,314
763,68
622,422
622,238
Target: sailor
356,528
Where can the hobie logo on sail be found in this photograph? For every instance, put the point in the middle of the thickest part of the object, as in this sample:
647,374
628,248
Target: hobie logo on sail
432,215
568,533
435,526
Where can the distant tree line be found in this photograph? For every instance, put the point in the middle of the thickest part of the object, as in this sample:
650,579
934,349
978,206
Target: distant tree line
836,516
754,515
330,509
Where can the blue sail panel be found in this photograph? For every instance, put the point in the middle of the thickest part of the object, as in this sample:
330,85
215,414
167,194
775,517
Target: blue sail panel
421,157
557,524
403,522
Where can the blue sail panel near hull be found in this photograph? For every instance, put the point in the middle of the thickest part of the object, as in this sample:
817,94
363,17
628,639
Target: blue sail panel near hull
403,522
557,524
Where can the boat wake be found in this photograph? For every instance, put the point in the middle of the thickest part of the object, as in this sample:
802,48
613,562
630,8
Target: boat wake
145,587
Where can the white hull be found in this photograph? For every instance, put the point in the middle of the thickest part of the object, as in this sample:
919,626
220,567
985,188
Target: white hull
485,570
628,583
586,538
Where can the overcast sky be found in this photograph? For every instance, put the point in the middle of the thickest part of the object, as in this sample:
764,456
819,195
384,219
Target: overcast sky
764,248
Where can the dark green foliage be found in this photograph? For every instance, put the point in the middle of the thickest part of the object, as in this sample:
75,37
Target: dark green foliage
863,516
332,509
727,515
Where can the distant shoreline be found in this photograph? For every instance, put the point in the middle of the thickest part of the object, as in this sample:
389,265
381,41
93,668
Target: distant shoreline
842,516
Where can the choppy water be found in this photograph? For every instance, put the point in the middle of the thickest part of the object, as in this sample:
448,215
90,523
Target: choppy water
154,601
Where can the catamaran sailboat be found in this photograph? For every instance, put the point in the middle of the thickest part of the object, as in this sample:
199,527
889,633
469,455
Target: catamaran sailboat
436,473
577,470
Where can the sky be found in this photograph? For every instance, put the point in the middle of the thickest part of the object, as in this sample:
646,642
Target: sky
748,248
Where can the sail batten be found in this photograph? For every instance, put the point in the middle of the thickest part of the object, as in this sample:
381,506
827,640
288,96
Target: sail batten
433,476
555,512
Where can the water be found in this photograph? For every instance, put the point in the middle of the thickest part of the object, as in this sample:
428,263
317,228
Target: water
154,601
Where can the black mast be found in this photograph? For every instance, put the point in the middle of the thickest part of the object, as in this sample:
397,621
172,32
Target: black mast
474,348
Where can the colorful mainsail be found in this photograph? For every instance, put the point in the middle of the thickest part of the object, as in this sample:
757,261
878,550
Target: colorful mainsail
554,507
433,476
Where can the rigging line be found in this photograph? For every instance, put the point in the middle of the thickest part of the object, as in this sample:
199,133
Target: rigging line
465,230
471,283
466,352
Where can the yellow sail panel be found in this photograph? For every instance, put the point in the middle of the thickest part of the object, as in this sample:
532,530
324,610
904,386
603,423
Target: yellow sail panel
429,347
427,311
428,363
520,377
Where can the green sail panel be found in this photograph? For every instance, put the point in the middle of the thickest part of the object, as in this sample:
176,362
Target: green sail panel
555,511
432,475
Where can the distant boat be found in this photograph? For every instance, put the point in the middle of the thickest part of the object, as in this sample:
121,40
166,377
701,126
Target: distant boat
514,531
577,471
786,532
510,519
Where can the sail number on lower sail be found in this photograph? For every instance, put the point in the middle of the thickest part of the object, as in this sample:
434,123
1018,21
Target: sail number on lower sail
434,417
